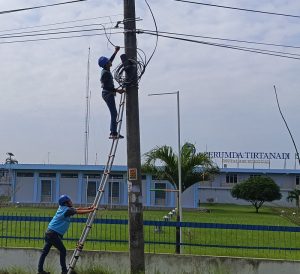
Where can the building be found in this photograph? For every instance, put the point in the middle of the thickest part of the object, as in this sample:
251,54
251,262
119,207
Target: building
44,183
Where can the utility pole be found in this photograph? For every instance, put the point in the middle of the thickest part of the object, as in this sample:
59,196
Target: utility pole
135,203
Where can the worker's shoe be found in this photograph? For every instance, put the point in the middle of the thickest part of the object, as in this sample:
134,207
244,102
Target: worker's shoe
72,272
43,272
115,135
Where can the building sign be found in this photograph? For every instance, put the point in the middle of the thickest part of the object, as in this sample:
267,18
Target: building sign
250,155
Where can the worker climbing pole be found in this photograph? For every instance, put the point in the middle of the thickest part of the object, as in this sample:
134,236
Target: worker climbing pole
108,94
127,74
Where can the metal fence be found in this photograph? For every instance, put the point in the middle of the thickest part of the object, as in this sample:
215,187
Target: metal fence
110,233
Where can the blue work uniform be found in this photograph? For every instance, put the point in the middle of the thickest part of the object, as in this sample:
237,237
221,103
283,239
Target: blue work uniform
57,227
108,95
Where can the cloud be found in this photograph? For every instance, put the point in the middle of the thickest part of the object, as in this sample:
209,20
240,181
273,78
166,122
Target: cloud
227,98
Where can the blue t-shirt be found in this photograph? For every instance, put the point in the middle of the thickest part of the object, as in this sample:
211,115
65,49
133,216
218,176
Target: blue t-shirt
61,220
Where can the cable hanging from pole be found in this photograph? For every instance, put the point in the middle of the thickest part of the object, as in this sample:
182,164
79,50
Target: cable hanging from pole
134,67
291,135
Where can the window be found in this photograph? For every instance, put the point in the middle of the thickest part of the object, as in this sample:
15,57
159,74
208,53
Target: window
114,192
160,194
91,191
231,178
69,175
48,175
297,180
92,176
3,173
46,191
24,174
116,176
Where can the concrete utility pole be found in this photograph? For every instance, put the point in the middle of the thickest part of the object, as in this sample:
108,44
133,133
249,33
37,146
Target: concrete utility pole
135,203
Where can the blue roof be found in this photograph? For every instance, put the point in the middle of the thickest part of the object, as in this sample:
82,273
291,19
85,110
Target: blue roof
52,167
123,168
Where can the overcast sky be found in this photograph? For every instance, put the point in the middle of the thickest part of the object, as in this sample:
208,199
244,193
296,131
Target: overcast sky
227,101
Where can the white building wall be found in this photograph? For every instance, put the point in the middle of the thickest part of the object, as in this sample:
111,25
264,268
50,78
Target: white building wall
28,189
188,197
68,186
24,189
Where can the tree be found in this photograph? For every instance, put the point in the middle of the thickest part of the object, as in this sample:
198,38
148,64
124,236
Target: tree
163,163
294,195
257,190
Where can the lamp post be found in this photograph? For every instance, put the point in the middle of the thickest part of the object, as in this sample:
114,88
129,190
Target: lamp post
179,164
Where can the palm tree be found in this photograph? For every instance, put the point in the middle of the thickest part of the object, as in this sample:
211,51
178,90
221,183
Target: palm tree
294,195
163,163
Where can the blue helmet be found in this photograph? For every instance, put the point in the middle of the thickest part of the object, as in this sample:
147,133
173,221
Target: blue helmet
103,61
63,199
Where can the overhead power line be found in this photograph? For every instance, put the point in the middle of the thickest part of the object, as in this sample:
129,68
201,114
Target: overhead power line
63,22
225,39
40,32
38,7
252,50
57,38
240,9
49,33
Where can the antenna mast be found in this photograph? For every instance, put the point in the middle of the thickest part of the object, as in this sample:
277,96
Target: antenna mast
87,112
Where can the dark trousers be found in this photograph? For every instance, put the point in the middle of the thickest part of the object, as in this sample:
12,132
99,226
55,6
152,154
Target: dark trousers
109,99
53,239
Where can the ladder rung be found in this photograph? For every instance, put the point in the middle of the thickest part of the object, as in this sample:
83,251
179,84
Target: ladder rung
106,172
122,103
119,121
101,190
112,155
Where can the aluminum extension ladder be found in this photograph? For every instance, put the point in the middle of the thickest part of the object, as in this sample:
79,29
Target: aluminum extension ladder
100,190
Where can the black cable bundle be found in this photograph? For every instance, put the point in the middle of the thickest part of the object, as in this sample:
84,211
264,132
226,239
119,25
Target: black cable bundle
129,72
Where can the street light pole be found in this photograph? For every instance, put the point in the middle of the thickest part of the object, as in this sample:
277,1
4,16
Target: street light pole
179,209
179,170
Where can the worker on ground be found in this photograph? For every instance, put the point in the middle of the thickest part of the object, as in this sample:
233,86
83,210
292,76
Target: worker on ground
109,92
57,227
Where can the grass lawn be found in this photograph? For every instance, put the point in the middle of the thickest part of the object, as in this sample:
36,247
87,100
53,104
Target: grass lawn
219,213
230,242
